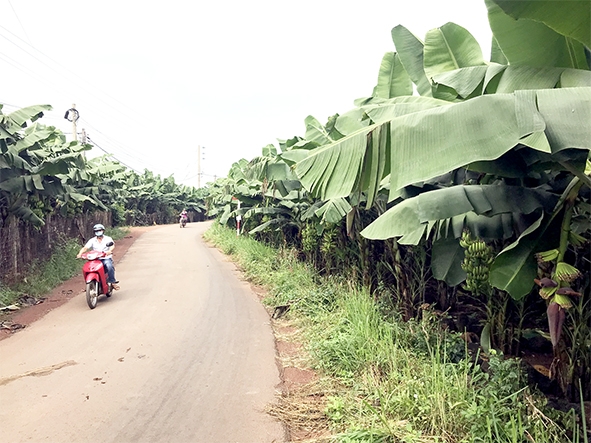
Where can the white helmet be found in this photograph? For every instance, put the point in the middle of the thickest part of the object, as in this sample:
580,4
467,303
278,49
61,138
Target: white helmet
98,229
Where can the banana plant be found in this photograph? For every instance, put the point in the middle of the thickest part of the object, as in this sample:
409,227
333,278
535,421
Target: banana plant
34,160
427,138
38,165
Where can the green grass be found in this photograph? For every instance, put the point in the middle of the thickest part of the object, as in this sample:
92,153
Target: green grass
398,381
42,276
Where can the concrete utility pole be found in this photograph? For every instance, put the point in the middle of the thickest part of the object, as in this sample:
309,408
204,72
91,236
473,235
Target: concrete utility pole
73,115
198,166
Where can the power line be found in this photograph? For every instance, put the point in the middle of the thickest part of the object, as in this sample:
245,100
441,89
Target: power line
93,143
22,68
124,150
132,116
130,153
10,105
43,79
19,21
27,71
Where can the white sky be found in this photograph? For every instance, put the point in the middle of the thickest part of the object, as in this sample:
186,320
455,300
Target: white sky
153,80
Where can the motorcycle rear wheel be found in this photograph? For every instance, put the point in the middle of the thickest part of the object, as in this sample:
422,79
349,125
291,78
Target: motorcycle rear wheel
92,289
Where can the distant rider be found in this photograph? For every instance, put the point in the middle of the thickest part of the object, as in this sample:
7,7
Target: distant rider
99,243
184,215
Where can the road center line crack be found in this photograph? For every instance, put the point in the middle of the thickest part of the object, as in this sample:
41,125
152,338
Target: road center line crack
38,372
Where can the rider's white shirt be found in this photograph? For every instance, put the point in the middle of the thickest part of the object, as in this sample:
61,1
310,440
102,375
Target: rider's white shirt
94,245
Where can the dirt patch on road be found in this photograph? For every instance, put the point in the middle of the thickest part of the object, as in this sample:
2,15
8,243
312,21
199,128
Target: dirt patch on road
64,292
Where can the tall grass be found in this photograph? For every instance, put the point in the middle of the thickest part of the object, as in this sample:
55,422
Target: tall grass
280,272
403,383
399,381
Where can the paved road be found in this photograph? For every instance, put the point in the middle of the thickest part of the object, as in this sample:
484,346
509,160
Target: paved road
184,352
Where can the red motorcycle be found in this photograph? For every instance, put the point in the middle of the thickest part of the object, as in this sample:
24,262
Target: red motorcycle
183,221
95,277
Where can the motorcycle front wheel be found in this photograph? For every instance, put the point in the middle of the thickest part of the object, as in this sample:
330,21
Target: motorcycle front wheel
92,288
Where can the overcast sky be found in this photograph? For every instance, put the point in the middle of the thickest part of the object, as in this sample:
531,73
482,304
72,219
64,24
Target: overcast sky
153,80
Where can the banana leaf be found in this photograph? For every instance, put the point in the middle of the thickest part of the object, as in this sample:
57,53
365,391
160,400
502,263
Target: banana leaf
465,81
274,223
16,121
22,184
393,80
331,171
448,48
332,211
351,121
11,160
532,43
411,218
316,132
41,133
571,19
508,79
446,259
23,212
515,268
226,211
269,210
434,141
410,51
385,110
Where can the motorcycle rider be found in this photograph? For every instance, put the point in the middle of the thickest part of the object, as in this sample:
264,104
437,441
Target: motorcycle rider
99,243
184,215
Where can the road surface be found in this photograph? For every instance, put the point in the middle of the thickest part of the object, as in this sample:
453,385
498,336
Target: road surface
184,352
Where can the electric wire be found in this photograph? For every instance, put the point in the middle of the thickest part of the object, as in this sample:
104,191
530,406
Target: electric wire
29,72
10,105
121,148
93,143
24,69
134,154
125,151
132,116
19,21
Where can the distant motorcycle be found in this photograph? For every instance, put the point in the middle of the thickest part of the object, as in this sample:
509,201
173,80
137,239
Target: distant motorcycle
183,221
95,277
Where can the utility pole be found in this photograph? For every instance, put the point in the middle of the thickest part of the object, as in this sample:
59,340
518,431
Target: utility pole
73,115
74,119
198,166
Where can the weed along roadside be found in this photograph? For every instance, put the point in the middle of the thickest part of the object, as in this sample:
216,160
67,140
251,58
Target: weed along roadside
357,372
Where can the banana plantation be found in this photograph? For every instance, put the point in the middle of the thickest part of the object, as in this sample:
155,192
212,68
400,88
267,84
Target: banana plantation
460,184
49,189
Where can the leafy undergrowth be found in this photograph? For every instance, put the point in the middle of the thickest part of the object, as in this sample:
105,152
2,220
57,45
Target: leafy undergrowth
43,276
386,380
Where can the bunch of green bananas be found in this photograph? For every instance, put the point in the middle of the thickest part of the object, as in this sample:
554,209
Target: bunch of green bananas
477,260
309,238
557,288
328,241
